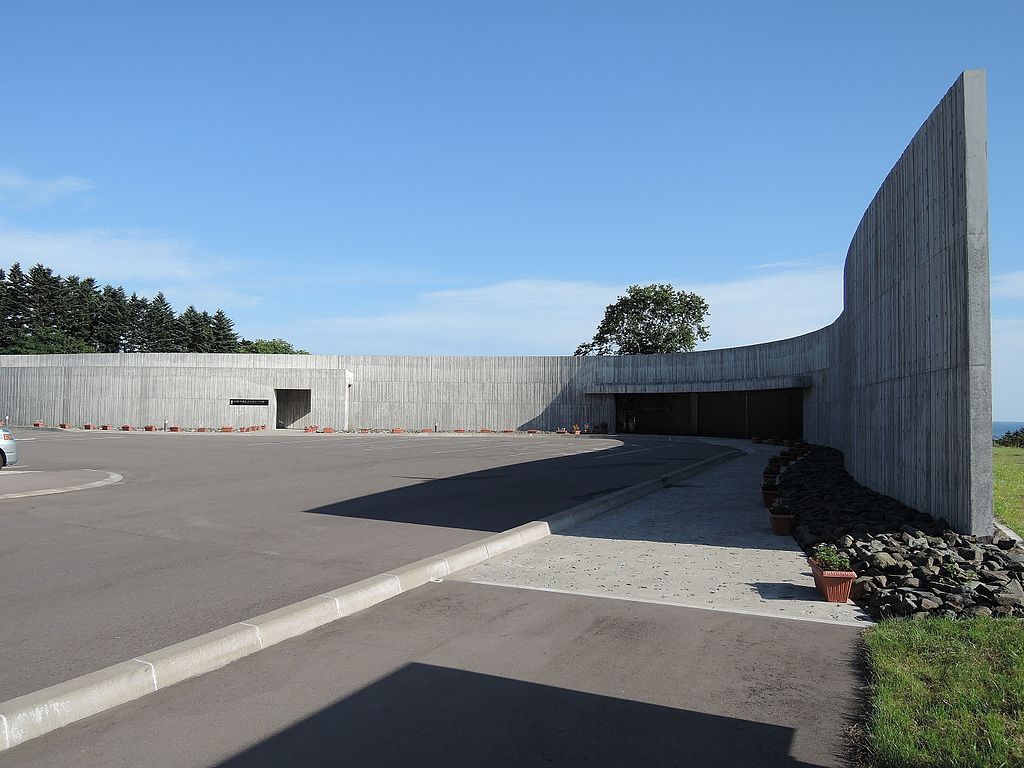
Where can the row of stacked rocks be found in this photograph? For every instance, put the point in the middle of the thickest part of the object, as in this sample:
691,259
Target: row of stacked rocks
907,562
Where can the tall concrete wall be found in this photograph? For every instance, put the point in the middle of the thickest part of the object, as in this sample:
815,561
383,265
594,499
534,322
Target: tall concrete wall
900,381
916,351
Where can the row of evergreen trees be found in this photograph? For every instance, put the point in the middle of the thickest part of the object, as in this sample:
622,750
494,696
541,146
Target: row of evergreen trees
44,313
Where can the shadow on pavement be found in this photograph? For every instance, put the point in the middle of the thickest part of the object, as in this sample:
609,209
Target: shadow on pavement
423,715
500,498
785,591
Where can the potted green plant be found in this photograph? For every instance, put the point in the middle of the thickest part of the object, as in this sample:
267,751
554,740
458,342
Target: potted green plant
781,516
832,572
769,490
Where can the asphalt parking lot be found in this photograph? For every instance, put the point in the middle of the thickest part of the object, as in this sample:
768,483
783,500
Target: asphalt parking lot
206,530
457,674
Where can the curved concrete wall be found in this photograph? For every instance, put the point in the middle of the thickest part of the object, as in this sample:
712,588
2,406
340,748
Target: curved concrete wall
900,381
916,325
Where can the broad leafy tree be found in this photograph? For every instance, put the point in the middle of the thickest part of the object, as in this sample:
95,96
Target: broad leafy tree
269,347
648,320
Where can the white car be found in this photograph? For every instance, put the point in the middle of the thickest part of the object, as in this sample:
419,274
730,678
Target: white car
8,448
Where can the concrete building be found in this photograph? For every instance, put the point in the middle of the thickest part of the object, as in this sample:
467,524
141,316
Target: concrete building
900,382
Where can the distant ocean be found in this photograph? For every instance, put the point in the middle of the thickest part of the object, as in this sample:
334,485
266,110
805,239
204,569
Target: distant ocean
1000,428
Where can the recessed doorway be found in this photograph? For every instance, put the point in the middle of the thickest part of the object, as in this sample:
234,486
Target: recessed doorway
293,408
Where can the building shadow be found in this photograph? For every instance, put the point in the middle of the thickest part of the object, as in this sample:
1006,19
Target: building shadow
785,591
423,715
499,498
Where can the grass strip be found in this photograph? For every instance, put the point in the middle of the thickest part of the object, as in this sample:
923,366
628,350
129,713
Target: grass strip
1008,471
946,693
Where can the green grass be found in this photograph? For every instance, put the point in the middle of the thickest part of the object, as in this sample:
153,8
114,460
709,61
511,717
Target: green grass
1008,468
946,694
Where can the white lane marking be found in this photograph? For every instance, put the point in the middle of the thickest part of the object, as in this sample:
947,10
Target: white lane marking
675,604
111,478
626,453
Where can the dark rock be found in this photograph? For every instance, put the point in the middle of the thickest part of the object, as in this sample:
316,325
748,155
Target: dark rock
1011,594
930,603
883,560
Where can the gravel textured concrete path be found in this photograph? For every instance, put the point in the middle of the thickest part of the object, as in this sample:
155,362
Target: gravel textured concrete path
705,543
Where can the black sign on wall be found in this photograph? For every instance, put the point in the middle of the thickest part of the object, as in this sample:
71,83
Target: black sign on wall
248,401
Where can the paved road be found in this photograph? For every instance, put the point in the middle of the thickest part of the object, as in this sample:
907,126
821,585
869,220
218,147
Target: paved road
457,674
205,530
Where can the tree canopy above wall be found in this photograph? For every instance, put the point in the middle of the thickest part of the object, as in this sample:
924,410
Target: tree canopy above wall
42,312
649,320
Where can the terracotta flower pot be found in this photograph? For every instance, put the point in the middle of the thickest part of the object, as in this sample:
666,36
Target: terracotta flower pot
834,586
782,525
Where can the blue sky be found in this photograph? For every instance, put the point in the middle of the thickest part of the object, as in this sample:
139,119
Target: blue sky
474,178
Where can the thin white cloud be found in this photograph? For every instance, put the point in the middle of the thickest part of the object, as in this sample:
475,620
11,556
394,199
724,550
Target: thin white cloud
1008,286
551,317
771,306
140,260
822,260
1007,369
25,192
514,317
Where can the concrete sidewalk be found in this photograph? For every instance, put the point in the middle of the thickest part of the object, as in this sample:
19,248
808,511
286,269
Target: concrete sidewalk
704,543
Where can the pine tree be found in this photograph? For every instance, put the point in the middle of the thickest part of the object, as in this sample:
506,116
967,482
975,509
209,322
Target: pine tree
43,305
112,320
86,303
224,337
14,318
6,331
135,336
42,312
163,333
196,330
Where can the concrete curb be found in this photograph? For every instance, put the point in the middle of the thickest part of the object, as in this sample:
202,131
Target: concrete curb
34,714
110,479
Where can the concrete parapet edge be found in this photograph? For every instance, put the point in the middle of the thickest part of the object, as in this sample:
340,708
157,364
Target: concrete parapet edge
35,714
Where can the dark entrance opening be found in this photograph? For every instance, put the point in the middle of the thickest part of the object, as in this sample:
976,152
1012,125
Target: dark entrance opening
293,408
765,412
